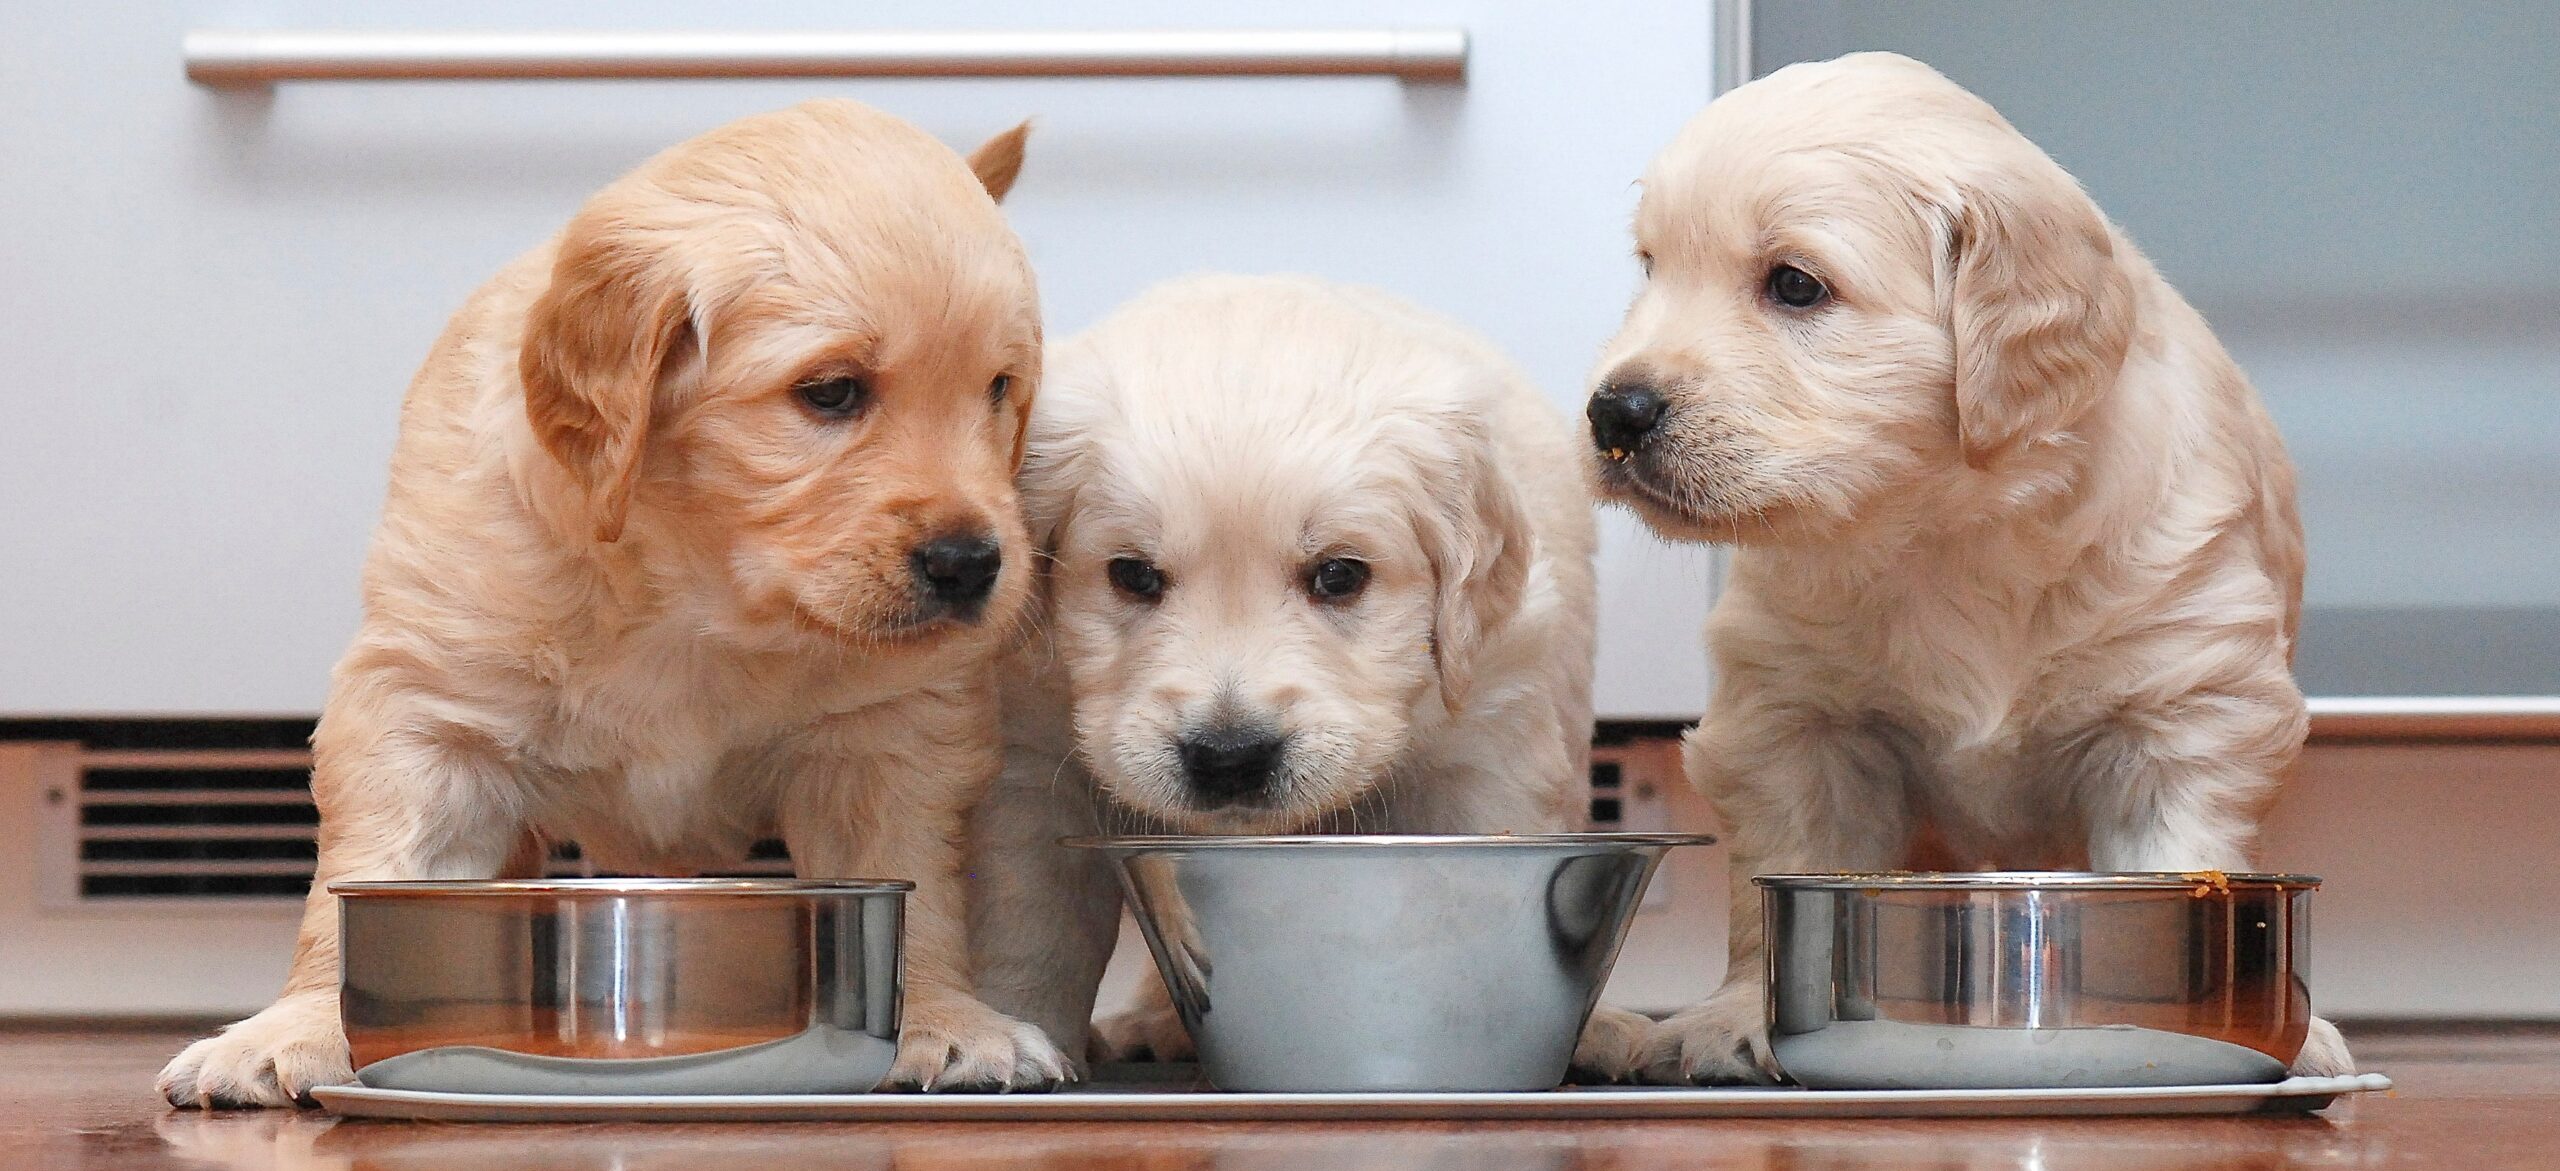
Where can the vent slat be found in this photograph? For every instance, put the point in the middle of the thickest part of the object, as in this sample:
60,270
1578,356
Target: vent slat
224,850
277,780
201,758
104,815
121,889
199,868
198,833
96,797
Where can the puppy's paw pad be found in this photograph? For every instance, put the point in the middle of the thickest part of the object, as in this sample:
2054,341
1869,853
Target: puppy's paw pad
977,1050
272,1059
1612,1048
1152,1033
1724,1041
2324,1053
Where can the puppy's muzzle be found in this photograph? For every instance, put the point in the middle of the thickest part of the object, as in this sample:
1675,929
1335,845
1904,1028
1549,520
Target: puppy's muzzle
1623,416
956,573
1230,764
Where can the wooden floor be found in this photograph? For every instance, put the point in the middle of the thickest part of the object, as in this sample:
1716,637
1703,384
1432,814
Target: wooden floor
2465,1100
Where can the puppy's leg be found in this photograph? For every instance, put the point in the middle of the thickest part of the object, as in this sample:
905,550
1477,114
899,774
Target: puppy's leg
1153,1030
1798,791
1523,771
1147,1031
2150,815
1537,792
2324,1053
885,792
1613,1046
1042,917
1528,775
395,803
2187,800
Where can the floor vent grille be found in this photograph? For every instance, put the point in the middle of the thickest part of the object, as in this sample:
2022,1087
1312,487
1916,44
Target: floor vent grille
142,819
195,824
132,825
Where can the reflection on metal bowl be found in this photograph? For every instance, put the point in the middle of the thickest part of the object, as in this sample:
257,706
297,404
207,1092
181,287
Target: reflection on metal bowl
2033,979
1386,962
622,985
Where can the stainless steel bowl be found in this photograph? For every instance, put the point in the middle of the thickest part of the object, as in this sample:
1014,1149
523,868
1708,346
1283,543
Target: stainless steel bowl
2034,979
1386,962
622,986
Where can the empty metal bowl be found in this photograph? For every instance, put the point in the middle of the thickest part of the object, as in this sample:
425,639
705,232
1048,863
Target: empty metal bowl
1386,962
2036,979
621,986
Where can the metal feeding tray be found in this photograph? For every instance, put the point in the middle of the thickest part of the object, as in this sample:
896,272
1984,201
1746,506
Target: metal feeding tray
1171,1093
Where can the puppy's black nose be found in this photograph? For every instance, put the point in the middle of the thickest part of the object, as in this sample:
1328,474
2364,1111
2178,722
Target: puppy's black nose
958,571
1230,763
1622,415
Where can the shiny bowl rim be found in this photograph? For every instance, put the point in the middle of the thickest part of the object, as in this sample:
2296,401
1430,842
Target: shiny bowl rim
1153,842
572,888
2193,881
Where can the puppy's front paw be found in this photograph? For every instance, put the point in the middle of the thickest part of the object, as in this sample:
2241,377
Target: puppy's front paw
956,1043
1723,1040
2324,1053
1612,1046
271,1059
1151,1032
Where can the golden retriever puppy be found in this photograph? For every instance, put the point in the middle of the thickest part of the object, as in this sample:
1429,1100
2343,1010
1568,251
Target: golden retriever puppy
2017,567
1318,561
701,527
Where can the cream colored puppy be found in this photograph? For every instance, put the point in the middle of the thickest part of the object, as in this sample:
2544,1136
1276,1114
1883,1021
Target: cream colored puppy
1318,561
701,527
2017,566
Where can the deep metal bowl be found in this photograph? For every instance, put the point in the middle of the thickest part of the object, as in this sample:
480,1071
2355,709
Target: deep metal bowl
1386,962
2036,979
622,986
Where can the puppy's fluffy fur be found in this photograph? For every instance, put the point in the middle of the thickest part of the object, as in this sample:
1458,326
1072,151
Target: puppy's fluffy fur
2017,564
631,589
1236,432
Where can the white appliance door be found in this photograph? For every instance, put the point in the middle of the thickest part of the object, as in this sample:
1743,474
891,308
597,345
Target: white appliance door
217,295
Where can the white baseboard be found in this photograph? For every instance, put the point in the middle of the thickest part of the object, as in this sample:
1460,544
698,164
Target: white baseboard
2443,901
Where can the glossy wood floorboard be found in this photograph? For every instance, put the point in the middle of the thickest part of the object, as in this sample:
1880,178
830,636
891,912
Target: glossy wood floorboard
77,1100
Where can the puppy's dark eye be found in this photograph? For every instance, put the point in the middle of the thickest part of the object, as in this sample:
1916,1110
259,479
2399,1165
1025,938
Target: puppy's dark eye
1137,577
1646,259
834,398
1002,386
1795,288
1337,578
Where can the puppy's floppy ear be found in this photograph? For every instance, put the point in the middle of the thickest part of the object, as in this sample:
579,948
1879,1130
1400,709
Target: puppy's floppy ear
2039,305
998,160
594,347
1477,537
1049,472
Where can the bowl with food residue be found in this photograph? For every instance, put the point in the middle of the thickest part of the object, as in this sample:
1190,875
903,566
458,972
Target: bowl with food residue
2036,979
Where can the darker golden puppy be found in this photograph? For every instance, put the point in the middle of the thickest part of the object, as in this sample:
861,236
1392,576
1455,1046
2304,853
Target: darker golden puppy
701,528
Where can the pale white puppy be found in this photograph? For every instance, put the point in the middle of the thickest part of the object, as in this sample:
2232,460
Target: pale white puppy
1318,560
2017,567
